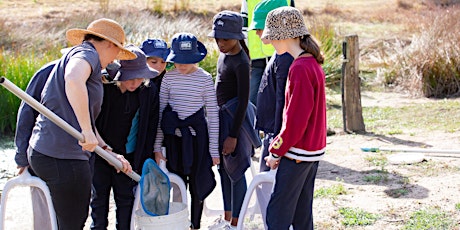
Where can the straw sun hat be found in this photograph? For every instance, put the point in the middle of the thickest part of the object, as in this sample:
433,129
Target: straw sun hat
104,28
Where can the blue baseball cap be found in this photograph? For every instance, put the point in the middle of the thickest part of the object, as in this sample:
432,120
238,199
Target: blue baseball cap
186,49
227,25
155,48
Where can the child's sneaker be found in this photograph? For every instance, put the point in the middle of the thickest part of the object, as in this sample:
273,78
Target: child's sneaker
229,227
219,224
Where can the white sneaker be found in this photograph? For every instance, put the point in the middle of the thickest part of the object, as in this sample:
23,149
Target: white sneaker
229,227
219,224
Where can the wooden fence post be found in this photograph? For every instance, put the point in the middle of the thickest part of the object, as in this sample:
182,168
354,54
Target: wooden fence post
351,87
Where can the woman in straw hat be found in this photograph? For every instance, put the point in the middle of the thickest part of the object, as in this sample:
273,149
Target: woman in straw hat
74,92
301,143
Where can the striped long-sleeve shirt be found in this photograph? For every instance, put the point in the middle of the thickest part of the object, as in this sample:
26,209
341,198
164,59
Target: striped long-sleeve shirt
188,93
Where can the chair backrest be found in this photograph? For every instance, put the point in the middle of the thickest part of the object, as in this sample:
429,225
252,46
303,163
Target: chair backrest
38,190
262,183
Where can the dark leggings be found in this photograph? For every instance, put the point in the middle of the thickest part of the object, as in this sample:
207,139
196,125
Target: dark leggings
69,182
106,178
233,192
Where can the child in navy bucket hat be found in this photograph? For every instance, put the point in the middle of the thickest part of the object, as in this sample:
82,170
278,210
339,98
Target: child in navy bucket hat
127,123
227,25
186,49
156,51
189,121
232,88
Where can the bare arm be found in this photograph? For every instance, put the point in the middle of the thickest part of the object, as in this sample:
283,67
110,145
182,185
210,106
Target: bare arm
77,73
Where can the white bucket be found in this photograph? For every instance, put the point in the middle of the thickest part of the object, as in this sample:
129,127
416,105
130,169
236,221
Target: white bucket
177,219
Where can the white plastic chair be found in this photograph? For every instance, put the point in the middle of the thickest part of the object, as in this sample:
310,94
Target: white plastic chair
252,210
173,179
27,180
266,178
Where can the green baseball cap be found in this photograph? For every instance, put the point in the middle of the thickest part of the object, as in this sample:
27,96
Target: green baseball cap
261,10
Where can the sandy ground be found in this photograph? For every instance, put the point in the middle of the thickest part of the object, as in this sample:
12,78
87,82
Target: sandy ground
19,210
434,184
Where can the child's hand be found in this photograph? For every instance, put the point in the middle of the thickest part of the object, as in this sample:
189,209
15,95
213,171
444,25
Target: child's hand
21,169
272,162
126,166
229,145
215,161
159,157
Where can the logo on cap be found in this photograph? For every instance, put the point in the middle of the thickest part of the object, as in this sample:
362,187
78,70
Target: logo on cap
159,45
220,23
185,45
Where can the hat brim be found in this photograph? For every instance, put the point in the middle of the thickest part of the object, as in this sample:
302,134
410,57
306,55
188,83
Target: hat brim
129,74
159,53
278,35
75,37
226,35
186,58
256,26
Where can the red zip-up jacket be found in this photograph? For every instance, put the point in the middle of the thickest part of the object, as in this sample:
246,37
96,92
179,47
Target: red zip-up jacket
303,132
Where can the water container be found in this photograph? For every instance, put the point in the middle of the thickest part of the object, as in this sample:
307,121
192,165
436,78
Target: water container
177,219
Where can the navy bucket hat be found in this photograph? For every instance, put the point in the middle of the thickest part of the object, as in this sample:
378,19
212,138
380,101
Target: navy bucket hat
137,68
186,49
227,25
155,48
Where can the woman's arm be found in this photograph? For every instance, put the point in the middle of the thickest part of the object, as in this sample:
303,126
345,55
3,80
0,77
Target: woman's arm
77,73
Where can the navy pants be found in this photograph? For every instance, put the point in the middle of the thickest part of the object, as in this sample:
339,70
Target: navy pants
106,178
257,70
268,138
291,202
69,182
233,192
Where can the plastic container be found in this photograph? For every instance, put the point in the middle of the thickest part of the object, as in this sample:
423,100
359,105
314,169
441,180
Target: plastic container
177,219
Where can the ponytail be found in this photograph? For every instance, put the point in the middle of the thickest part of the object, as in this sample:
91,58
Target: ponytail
309,44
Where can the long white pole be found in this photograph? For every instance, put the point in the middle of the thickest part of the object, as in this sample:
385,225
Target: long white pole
61,123
417,150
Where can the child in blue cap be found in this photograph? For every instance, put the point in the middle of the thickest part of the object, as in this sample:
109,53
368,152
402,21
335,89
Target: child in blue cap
236,114
156,50
189,126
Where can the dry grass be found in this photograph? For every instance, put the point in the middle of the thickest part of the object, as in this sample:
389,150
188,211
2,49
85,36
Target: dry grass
429,65
386,29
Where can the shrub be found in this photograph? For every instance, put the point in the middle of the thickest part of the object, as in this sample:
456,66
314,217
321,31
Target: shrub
331,47
430,64
18,68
